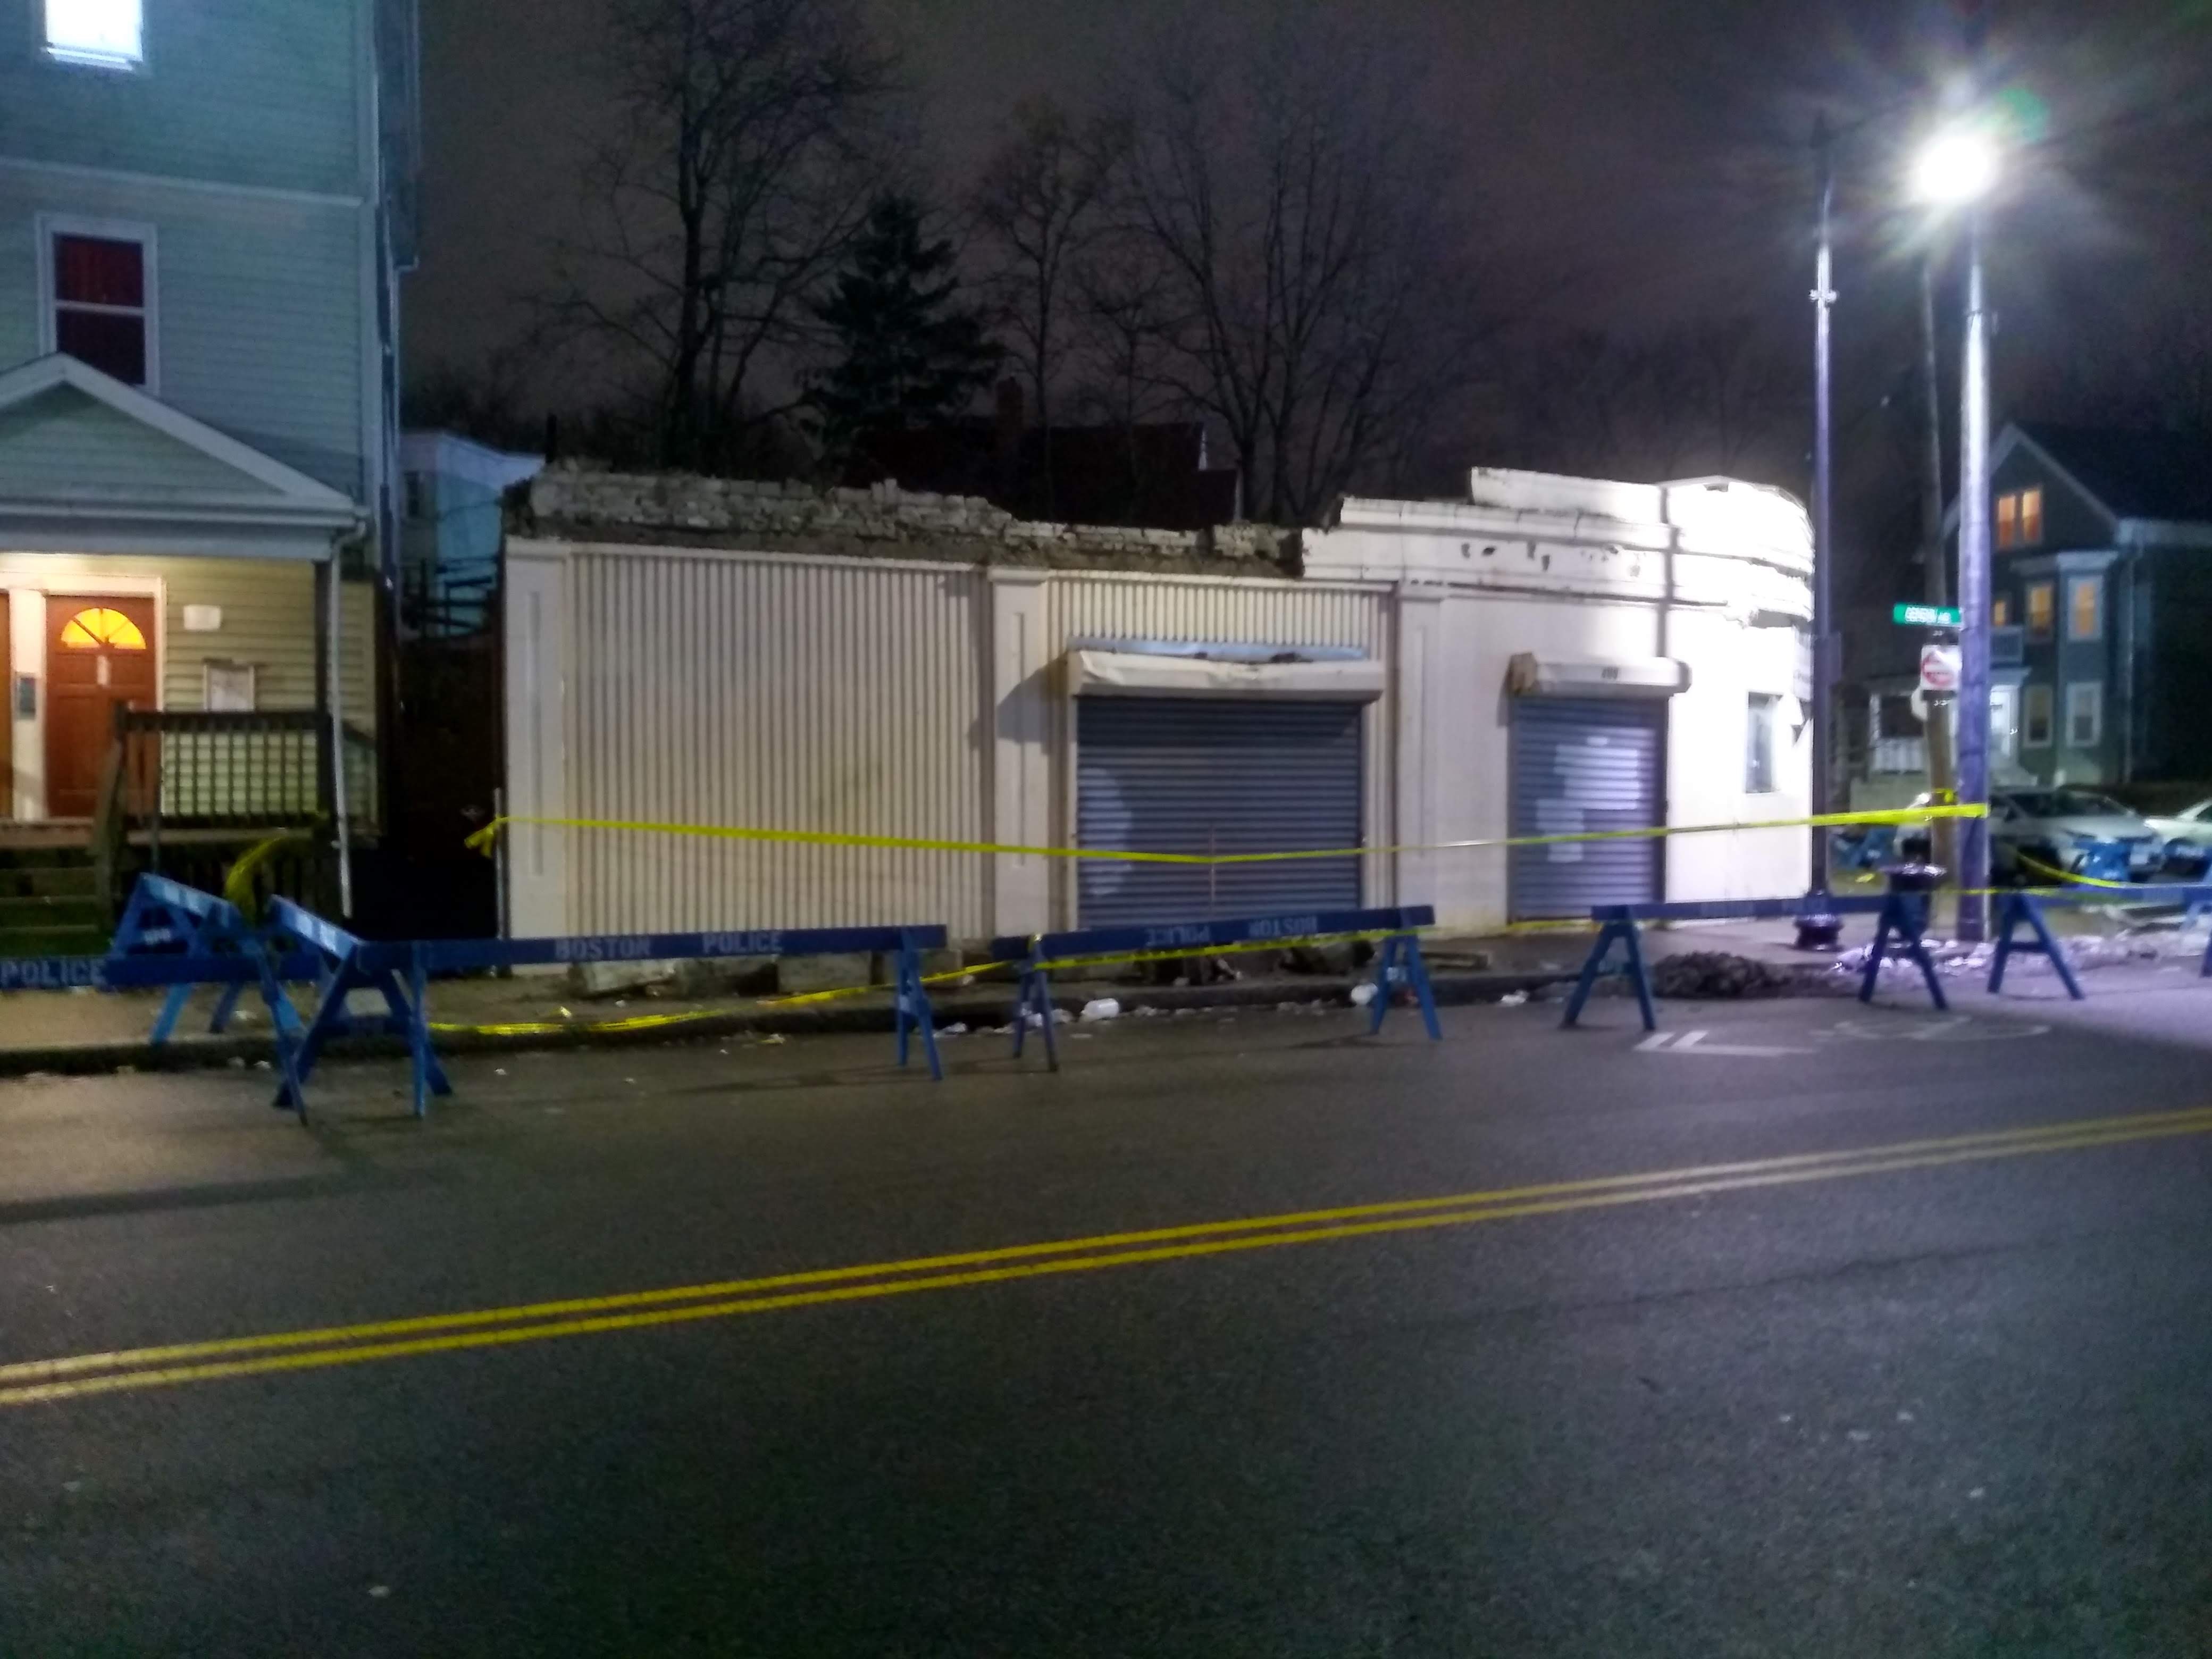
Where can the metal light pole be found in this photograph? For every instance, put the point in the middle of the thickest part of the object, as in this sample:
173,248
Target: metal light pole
1956,170
1942,768
1974,593
1824,653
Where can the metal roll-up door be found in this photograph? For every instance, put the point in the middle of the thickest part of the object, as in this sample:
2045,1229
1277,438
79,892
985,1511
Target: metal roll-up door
1585,764
1170,775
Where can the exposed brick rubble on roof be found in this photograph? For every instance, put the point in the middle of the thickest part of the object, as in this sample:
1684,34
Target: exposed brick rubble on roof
678,509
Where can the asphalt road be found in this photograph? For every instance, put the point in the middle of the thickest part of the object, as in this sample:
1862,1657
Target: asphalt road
1900,1340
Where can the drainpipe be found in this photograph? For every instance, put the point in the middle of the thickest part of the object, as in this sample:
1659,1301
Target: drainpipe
2123,676
334,701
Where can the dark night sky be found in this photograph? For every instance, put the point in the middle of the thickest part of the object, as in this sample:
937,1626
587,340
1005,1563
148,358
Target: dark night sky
1629,161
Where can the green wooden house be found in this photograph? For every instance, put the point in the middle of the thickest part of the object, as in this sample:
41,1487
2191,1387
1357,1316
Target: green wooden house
204,207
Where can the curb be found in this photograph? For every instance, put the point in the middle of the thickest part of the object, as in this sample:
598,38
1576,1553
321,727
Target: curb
204,1053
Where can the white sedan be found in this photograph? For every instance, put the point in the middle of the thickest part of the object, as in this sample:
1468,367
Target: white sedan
2187,836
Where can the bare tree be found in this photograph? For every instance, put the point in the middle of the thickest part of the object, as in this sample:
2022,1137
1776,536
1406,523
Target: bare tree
1040,207
1703,397
748,156
1313,299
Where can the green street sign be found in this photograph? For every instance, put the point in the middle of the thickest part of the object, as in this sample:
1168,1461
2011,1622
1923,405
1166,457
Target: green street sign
1927,616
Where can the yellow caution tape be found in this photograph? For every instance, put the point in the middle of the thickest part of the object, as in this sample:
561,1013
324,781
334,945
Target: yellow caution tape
238,881
654,1022
482,839
2067,875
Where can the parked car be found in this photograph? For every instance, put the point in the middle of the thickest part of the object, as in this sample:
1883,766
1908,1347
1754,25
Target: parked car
2061,829
2187,837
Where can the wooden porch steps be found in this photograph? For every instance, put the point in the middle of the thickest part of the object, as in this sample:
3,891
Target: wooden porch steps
50,903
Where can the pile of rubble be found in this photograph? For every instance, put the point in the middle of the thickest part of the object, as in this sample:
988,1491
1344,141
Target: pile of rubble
1719,973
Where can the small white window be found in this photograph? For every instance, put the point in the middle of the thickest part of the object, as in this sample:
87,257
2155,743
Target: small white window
2035,717
1759,745
2085,715
106,33
98,282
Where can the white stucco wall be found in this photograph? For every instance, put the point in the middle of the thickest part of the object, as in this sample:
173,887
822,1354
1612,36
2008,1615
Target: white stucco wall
1714,574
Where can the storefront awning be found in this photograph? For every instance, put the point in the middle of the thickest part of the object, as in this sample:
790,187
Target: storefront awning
1141,674
1532,675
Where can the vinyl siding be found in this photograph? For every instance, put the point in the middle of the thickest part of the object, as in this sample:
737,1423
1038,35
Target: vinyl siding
66,444
2071,520
268,620
258,314
263,93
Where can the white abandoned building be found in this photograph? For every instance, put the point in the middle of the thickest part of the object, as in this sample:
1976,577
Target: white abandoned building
1548,656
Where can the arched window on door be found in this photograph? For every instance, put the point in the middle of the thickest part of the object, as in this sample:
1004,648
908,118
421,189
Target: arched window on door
98,629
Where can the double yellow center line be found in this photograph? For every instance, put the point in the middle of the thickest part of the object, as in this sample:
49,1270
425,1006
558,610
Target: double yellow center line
33,1382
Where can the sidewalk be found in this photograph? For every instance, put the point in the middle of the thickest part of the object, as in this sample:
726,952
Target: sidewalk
91,1031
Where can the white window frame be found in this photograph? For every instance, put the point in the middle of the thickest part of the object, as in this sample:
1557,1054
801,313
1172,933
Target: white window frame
2074,584
51,225
2032,695
89,58
1771,704
2004,722
2085,696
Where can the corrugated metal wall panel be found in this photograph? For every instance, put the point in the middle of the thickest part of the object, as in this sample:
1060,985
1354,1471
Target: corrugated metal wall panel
1162,775
1167,608
780,694
1581,765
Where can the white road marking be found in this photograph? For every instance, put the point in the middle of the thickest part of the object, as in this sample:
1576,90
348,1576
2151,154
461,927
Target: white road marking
1694,1042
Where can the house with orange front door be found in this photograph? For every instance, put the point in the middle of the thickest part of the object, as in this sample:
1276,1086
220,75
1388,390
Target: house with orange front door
198,431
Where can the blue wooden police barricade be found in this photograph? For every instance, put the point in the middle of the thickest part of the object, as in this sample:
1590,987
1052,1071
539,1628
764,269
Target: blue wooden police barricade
175,937
1398,962
1904,919
53,973
167,918
400,974
2015,910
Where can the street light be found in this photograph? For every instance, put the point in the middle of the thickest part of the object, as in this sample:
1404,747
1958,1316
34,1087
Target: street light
1955,168
1955,171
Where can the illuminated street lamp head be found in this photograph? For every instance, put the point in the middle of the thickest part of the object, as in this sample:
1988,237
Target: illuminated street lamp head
1955,168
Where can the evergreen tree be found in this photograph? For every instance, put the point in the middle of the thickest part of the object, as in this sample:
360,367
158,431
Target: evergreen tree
910,354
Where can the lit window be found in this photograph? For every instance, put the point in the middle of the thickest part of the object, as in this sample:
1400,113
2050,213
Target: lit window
1758,745
102,289
2042,609
2001,610
2085,605
101,630
107,33
2035,717
2020,518
2085,715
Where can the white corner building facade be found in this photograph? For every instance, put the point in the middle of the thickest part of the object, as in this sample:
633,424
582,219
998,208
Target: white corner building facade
1548,657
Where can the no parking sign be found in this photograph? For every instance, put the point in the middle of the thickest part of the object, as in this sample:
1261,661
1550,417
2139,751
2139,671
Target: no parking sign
1939,668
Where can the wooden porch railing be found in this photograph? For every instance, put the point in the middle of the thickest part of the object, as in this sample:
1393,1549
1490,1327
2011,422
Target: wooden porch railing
209,777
